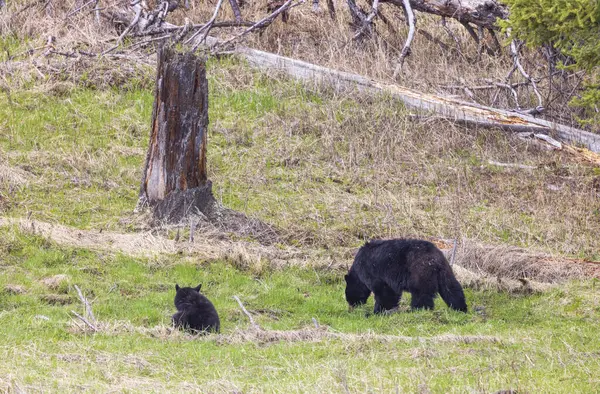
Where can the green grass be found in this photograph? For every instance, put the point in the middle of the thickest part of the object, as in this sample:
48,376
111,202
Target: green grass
549,341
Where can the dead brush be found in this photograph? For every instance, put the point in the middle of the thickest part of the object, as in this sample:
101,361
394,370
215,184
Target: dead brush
518,264
444,57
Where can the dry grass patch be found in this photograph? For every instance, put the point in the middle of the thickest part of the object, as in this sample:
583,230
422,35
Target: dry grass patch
260,336
500,268
504,261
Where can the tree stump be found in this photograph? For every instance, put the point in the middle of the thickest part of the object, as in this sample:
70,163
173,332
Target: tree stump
174,182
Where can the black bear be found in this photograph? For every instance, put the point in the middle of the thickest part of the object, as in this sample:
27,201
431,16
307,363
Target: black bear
389,267
195,311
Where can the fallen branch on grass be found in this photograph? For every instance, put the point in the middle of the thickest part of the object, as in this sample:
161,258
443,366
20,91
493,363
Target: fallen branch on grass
89,319
254,324
511,165
88,308
83,319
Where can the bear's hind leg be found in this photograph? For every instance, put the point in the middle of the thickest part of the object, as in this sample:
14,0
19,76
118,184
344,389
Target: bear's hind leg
421,300
385,298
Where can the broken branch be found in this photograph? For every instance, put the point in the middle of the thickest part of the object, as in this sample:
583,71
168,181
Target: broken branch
514,50
262,23
254,324
411,20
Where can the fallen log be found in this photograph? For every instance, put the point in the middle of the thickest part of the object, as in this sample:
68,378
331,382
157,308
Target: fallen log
449,108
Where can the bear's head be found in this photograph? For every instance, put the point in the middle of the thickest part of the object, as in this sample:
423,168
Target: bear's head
186,295
356,291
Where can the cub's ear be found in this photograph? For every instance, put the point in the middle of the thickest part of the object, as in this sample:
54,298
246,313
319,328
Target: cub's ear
347,276
177,287
197,288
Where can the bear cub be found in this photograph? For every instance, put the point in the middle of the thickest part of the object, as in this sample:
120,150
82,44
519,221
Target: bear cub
195,311
389,267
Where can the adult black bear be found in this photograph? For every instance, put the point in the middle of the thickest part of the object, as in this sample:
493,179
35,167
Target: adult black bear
195,311
389,267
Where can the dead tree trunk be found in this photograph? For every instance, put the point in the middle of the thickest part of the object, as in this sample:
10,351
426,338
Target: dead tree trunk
174,181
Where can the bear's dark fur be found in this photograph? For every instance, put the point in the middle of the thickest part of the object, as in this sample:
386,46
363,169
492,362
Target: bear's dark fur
195,311
389,267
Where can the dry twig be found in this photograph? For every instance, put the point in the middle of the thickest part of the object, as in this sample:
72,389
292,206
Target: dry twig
514,50
206,28
89,315
254,324
83,319
86,304
411,20
262,23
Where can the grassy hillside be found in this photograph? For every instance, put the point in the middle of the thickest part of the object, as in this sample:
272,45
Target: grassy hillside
328,170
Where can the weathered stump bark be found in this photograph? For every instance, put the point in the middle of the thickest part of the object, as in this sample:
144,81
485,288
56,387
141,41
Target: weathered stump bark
174,181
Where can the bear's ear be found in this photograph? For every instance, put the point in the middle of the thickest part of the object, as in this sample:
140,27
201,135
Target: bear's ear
177,287
347,276
197,288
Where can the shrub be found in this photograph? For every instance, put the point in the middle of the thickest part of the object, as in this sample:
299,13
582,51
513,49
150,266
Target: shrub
572,29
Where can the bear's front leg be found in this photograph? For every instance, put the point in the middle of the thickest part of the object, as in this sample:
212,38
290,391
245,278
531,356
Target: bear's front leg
421,300
386,299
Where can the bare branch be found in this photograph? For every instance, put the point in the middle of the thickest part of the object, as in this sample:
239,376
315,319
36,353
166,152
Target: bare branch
138,12
331,9
262,23
83,319
97,11
514,50
452,35
86,304
254,324
205,28
511,165
236,10
367,23
453,253
80,8
410,18
471,32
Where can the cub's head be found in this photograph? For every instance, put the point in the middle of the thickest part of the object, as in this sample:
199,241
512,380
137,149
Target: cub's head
356,291
186,295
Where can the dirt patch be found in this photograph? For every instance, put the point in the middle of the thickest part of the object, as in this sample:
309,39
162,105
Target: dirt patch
14,289
12,176
54,282
57,299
